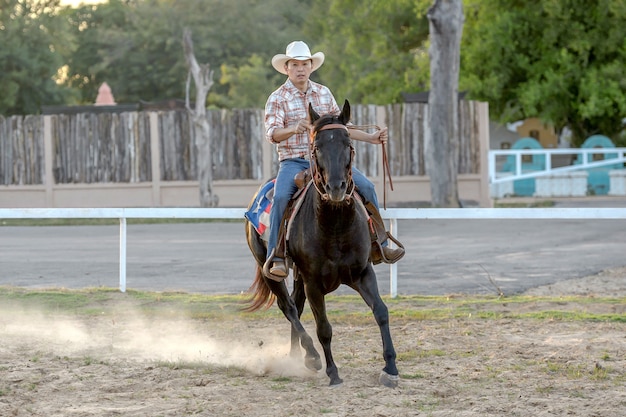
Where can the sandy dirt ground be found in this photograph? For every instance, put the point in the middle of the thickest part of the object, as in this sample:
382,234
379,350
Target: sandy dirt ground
129,365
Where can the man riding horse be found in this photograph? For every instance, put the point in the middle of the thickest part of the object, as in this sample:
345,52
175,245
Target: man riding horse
287,126
329,245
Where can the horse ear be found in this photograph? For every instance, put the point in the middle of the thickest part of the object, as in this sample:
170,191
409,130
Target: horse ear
345,113
313,114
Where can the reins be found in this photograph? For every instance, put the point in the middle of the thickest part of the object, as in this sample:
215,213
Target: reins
386,170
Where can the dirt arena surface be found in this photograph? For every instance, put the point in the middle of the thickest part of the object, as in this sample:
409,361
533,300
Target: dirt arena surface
498,358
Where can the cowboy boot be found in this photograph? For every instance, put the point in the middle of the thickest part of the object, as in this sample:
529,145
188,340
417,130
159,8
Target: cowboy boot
379,236
275,266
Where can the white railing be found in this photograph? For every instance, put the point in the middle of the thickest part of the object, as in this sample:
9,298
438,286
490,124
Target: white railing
587,161
392,214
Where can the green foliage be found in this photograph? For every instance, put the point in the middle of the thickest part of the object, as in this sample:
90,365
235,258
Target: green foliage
247,83
33,43
139,53
373,49
92,26
561,61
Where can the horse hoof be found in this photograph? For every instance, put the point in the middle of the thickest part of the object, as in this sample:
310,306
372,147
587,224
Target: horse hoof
314,364
334,383
390,381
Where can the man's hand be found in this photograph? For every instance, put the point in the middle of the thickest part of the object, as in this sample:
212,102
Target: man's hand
380,136
302,126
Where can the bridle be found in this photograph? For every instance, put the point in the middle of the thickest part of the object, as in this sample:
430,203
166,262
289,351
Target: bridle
318,181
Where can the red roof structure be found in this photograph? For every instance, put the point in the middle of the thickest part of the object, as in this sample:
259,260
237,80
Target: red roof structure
105,96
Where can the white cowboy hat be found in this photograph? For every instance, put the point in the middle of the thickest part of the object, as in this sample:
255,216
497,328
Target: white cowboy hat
300,51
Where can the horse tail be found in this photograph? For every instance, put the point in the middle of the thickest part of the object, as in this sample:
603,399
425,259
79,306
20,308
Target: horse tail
262,296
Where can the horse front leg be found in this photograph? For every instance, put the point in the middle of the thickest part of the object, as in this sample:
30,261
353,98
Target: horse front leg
324,334
287,305
368,289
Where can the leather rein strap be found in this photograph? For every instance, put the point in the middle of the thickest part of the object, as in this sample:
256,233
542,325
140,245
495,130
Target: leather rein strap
386,170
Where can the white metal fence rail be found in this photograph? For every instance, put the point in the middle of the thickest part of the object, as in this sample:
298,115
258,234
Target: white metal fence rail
611,156
392,214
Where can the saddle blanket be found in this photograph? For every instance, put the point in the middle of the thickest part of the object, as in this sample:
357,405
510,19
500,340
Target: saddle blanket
259,213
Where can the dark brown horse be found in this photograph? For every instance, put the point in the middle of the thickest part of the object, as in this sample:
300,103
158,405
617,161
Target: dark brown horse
329,245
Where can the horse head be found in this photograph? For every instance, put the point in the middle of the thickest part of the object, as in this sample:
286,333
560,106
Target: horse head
332,154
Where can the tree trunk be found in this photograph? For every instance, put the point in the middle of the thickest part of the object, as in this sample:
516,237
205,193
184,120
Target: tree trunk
442,146
203,80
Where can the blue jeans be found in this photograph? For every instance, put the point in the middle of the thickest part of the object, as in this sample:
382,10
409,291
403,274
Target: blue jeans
285,187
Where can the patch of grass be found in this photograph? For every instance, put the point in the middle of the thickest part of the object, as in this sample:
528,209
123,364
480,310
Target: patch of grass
61,300
341,309
88,360
419,354
548,389
570,371
521,204
236,372
413,376
573,316
280,386
428,406
600,373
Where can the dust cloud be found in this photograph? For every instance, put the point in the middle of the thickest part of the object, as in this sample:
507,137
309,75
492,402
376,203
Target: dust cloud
130,335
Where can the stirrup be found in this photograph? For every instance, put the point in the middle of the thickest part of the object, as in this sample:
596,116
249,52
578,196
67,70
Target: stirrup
267,267
378,251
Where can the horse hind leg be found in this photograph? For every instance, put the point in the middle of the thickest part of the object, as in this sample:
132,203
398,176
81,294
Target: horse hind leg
299,298
289,308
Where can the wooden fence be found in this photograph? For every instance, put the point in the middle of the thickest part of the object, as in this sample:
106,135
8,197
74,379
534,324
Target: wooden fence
116,147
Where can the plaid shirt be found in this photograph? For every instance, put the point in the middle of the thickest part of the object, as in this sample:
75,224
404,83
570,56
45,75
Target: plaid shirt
286,106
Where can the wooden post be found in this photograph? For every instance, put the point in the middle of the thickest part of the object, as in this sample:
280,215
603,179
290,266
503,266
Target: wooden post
48,150
155,159
482,110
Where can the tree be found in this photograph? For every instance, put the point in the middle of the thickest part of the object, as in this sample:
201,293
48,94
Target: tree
203,80
562,61
371,47
442,145
248,83
135,45
34,41
92,26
